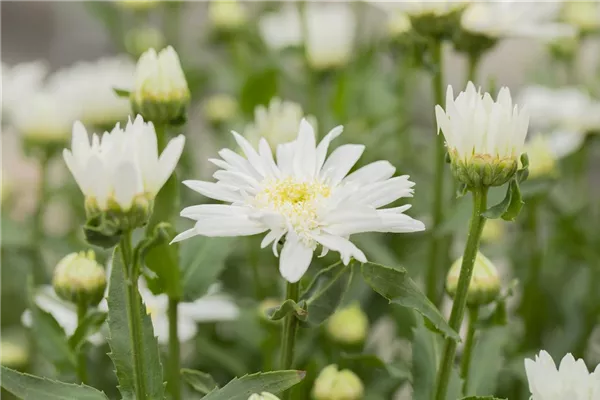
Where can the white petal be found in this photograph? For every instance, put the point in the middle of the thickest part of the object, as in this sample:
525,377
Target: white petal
213,210
225,226
340,162
210,309
167,162
126,184
295,258
213,190
346,248
374,172
305,157
324,145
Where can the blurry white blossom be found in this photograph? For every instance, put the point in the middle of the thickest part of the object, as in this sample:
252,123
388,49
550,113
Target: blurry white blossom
220,107
19,83
282,28
570,381
514,18
398,23
584,15
226,14
277,123
122,166
305,198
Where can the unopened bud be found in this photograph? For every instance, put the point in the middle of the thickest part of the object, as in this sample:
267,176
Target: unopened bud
348,325
482,169
485,282
78,278
263,396
332,384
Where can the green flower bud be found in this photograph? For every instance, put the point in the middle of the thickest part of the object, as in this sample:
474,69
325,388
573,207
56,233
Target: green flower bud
485,282
263,396
13,354
78,278
482,169
140,40
348,325
332,384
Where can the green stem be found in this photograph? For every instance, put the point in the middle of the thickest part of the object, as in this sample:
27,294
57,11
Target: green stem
473,67
81,358
465,365
288,339
174,352
133,311
464,280
435,257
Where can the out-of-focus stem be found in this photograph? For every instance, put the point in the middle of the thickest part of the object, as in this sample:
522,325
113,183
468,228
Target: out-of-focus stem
469,344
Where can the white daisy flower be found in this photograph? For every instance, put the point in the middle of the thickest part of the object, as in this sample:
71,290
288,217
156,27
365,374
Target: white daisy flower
304,197
282,28
121,166
20,82
511,18
570,381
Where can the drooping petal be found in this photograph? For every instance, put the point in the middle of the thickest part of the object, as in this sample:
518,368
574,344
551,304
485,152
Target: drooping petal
346,248
295,258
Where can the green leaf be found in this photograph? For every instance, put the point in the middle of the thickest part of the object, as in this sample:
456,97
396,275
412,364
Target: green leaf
287,307
50,337
395,285
202,261
482,398
123,351
200,381
499,209
162,260
426,355
516,202
487,360
258,89
122,92
30,387
365,364
325,292
90,325
273,382
523,173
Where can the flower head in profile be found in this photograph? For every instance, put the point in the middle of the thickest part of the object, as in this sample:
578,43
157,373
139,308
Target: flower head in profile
304,199
485,138
570,381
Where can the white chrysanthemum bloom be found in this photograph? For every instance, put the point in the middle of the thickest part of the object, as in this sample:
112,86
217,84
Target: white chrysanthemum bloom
63,312
213,307
89,87
570,381
330,30
304,198
281,29
485,138
19,83
511,18
122,170
566,109
263,396
278,122
226,14
161,92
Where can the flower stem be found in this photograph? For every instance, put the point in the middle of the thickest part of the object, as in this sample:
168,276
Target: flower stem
437,243
133,311
469,344
288,339
81,358
464,280
473,61
174,364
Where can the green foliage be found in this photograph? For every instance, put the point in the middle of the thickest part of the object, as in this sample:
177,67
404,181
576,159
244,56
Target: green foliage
30,387
510,206
258,88
395,285
161,258
123,350
481,398
487,361
200,381
288,307
272,382
89,326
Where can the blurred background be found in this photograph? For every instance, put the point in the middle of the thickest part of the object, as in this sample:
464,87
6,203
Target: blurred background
361,65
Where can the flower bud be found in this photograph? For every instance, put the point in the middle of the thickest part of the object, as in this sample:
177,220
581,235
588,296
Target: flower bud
348,325
332,384
485,282
78,278
226,15
398,24
263,396
161,93
482,169
220,108
13,354
140,40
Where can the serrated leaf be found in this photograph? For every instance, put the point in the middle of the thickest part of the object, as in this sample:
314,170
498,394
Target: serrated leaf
202,261
325,292
395,285
122,92
516,202
50,337
288,307
200,381
90,325
30,387
241,388
123,350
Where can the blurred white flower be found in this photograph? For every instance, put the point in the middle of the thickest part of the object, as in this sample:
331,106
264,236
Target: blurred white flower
88,86
544,151
585,15
20,82
419,8
122,165
283,28
277,123
513,18
63,312
304,197
330,30
213,307
226,14
398,23
570,381
566,109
